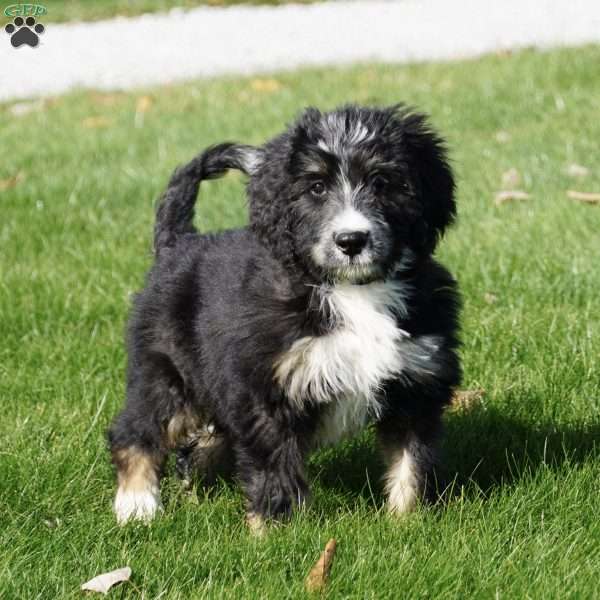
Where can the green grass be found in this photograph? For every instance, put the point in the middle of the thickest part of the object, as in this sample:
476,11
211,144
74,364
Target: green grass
86,10
524,518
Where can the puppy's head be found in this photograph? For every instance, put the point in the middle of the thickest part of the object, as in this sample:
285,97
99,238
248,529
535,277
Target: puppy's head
352,194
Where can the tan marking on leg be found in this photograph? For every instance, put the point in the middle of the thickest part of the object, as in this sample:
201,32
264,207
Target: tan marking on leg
211,456
138,494
182,428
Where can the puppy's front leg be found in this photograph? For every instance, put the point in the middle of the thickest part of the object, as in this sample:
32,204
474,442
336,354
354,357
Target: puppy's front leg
410,456
270,464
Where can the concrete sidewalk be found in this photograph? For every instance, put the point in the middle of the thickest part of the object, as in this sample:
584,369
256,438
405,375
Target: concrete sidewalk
161,48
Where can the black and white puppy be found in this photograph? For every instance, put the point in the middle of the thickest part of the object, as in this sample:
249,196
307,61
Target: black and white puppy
255,346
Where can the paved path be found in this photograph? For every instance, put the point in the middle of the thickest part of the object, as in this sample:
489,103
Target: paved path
154,49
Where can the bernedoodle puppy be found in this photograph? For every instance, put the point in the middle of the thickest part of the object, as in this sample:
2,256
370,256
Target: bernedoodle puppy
253,347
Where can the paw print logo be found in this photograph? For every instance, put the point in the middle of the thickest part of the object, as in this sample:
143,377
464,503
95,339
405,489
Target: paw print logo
24,32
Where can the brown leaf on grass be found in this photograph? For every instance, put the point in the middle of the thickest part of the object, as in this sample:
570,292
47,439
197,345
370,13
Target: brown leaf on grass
11,182
585,197
143,104
105,99
466,400
511,179
505,196
317,579
103,583
267,86
98,122
575,170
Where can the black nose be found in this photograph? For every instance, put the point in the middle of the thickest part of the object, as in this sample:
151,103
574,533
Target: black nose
351,242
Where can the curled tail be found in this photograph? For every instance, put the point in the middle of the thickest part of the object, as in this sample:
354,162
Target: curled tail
175,213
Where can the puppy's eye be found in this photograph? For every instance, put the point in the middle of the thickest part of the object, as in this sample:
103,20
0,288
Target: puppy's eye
318,189
379,183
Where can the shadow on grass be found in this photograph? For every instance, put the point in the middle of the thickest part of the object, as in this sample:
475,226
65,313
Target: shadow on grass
482,450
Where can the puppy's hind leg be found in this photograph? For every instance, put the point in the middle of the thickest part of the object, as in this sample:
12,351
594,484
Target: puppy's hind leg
207,456
139,439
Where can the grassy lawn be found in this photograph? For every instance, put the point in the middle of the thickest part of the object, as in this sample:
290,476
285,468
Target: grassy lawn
524,518
86,10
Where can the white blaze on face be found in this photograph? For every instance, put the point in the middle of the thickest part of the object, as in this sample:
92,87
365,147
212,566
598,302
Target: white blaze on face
349,220
338,136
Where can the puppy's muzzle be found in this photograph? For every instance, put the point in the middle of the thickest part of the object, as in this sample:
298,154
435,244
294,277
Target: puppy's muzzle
351,243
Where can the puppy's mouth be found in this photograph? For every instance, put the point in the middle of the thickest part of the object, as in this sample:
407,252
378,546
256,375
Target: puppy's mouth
355,270
360,268
352,249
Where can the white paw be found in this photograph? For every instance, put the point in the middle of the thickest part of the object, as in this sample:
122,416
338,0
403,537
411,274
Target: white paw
402,500
141,505
402,483
256,525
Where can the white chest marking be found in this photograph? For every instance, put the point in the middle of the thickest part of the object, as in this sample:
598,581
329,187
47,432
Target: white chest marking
348,366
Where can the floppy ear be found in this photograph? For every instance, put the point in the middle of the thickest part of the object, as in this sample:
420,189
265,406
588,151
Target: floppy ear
427,153
268,199
270,189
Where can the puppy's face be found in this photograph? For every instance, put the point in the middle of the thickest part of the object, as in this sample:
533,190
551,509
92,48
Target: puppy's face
352,199
360,191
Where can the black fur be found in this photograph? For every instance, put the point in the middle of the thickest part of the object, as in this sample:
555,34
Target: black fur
219,309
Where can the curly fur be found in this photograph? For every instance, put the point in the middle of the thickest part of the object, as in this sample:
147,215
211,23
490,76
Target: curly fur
265,342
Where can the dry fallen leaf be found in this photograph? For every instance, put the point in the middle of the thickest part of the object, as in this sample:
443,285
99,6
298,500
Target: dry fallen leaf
96,122
103,583
143,104
466,400
585,197
316,580
265,85
52,523
505,196
104,99
575,170
511,179
11,182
